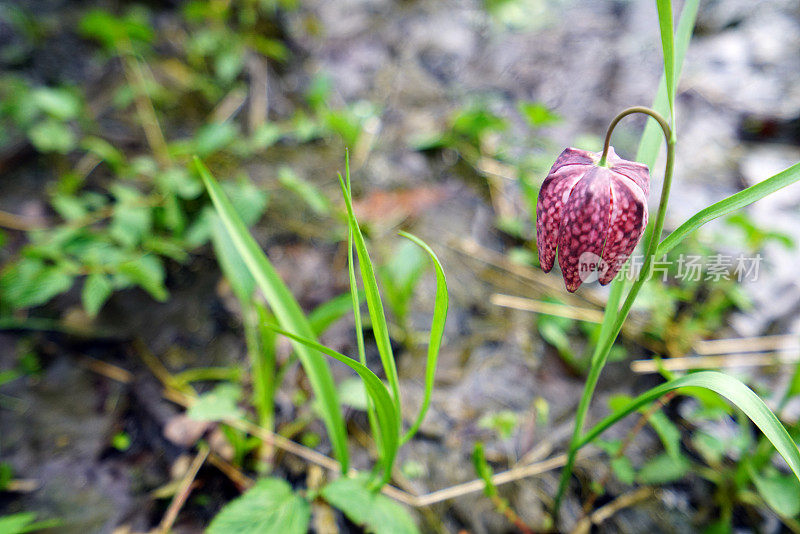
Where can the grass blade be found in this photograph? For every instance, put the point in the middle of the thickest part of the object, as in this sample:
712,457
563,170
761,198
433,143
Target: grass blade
388,418
651,139
356,307
668,47
440,306
374,303
732,203
730,388
286,310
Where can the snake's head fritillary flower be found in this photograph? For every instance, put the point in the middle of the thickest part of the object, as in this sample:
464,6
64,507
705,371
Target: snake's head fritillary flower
593,215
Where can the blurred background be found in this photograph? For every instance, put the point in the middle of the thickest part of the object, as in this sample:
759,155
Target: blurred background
452,111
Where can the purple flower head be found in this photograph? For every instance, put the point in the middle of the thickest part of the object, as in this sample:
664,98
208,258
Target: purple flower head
593,215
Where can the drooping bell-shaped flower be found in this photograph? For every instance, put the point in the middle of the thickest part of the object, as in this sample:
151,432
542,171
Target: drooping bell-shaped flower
593,215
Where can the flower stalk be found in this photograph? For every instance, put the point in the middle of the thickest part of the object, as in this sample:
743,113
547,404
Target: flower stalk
608,336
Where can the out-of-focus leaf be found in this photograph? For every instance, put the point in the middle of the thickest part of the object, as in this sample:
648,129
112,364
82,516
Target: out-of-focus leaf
781,492
59,103
213,137
269,507
662,469
308,192
96,290
537,114
51,135
376,512
30,282
148,273
218,405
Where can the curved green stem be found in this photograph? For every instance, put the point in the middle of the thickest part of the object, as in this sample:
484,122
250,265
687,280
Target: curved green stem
606,341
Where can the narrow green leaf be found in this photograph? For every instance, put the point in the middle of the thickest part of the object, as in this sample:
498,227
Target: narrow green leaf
374,304
483,470
386,415
96,290
269,507
730,204
376,512
668,48
730,388
652,136
230,261
356,306
286,310
437,332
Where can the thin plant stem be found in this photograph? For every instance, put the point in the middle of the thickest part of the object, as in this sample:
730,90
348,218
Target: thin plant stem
606,341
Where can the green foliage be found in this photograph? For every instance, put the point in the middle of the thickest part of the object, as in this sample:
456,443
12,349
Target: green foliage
269,507
375,512
286,310
503,423
220,404
123,214
24,522
781,492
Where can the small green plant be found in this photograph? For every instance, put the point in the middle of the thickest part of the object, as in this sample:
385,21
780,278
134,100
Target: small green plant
357,496
672,464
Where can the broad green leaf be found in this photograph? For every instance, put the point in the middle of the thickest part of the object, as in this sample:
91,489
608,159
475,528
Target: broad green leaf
730,388
146,272
105,151
375,512
668,433
437,332
113,31
663,469
213,137
57,102
51,135
623,470
30,283
353,394
780,492
386,415
730,204
218,404
132,219
178,180
537,114
96,290
286,310
269,507
248,201
399,277
374,304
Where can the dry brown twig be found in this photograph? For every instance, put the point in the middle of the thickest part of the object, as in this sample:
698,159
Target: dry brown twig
183,492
